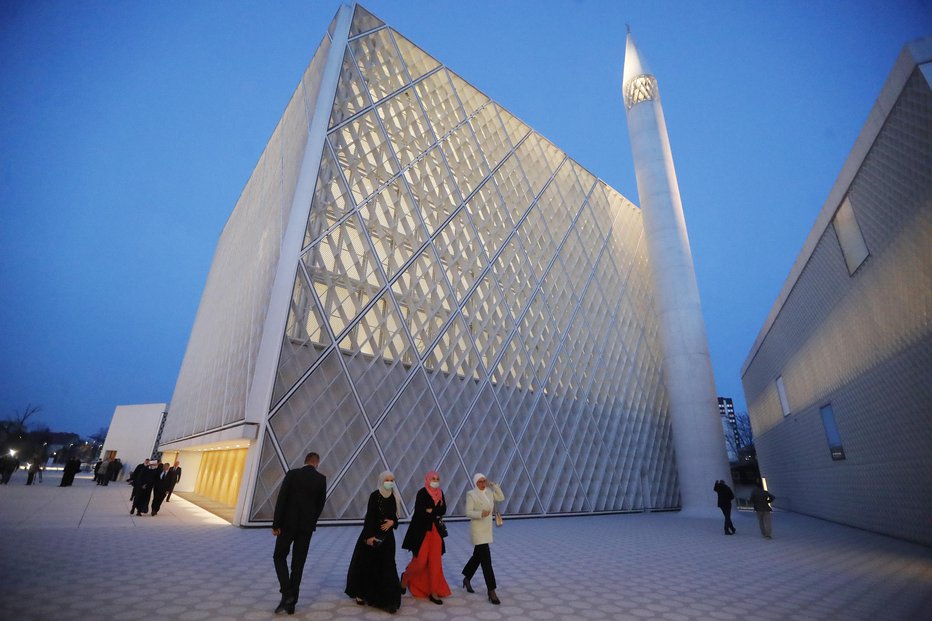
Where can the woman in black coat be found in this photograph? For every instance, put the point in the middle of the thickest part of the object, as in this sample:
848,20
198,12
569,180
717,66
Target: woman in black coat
424,539
372,577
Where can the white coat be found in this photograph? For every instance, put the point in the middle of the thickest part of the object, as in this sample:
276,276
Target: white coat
480,528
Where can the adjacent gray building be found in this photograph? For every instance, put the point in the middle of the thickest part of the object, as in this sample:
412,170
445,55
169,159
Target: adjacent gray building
839,381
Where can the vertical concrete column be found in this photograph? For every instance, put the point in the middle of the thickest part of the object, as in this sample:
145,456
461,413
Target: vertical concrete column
697,431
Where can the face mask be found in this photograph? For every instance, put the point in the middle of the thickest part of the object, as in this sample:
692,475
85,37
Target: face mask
388,484
434,484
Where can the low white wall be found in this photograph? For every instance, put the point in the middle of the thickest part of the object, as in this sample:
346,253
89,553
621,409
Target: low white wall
132,433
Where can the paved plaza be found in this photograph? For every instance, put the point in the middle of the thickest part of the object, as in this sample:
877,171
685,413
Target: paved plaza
76,553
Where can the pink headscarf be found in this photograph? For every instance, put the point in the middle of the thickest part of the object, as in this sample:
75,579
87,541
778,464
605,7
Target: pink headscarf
435,494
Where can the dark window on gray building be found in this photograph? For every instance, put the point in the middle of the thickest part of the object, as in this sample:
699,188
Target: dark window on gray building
831,432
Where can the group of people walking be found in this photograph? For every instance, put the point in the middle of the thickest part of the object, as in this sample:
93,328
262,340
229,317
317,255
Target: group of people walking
760,500
107,470
155,481
372,578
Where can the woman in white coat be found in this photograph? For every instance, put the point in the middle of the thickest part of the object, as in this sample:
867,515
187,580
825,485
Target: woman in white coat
480,503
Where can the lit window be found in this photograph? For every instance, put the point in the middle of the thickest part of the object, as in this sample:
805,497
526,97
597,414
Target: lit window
831,432
781,392
849,236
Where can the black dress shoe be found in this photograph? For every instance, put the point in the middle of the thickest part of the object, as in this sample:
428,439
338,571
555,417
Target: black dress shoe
467,585
282,606
435,600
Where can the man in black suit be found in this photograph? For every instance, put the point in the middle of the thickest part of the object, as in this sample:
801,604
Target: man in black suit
175,472
160,488
300,500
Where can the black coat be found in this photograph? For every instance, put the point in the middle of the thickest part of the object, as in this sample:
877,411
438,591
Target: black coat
725,495
301,498
422,521
372,574
139,475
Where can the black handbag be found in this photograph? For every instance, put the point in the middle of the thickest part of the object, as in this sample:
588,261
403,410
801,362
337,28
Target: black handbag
441,528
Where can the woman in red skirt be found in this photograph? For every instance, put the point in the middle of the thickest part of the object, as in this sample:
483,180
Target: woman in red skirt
424,574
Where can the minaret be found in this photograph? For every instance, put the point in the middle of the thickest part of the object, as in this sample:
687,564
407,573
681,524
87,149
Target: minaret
697,430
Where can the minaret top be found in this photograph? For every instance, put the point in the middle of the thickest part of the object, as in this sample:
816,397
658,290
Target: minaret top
637,83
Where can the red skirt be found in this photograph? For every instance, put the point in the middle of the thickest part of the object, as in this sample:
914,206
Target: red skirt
424,573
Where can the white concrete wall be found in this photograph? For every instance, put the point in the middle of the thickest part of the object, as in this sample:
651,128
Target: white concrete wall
133,431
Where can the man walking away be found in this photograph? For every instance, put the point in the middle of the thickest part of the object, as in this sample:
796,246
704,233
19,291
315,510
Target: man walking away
300,500
761,500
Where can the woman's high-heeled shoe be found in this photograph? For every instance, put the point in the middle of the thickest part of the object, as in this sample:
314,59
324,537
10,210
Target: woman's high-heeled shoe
435,600
467,585
493,597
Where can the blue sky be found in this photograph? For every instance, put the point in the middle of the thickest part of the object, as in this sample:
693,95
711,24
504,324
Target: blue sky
129,129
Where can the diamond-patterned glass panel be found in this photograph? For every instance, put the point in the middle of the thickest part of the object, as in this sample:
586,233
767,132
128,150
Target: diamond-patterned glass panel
460,253
424,299
418,62
433,188
454,371
265,491
379,63
465,159
305,337
491,134
471,98
364,154
487,319
331,199
393,225
378,356
344,273
490,217
413,437
349,495
406,126
322,416
514,188
351,93
363,21
440,101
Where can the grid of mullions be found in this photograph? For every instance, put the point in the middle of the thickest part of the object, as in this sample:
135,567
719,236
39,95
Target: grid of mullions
451,277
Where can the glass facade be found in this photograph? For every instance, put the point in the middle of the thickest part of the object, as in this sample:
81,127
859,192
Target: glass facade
466,298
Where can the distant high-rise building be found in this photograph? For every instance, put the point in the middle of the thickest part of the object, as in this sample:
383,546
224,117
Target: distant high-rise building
838,381
414,279
726,408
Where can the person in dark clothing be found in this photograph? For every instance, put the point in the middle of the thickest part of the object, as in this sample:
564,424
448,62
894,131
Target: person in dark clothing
97,467
725,496
372,577
173,480
300,501
160,487
33,469
71,468
113,470
135,479
143,490
8,465
761,500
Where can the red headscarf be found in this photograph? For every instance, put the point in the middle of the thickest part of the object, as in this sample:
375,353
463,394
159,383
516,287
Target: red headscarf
435,494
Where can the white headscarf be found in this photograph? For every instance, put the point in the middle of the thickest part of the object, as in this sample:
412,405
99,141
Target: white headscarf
386,493
484,496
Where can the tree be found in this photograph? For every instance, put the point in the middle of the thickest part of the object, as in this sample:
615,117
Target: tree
14,428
